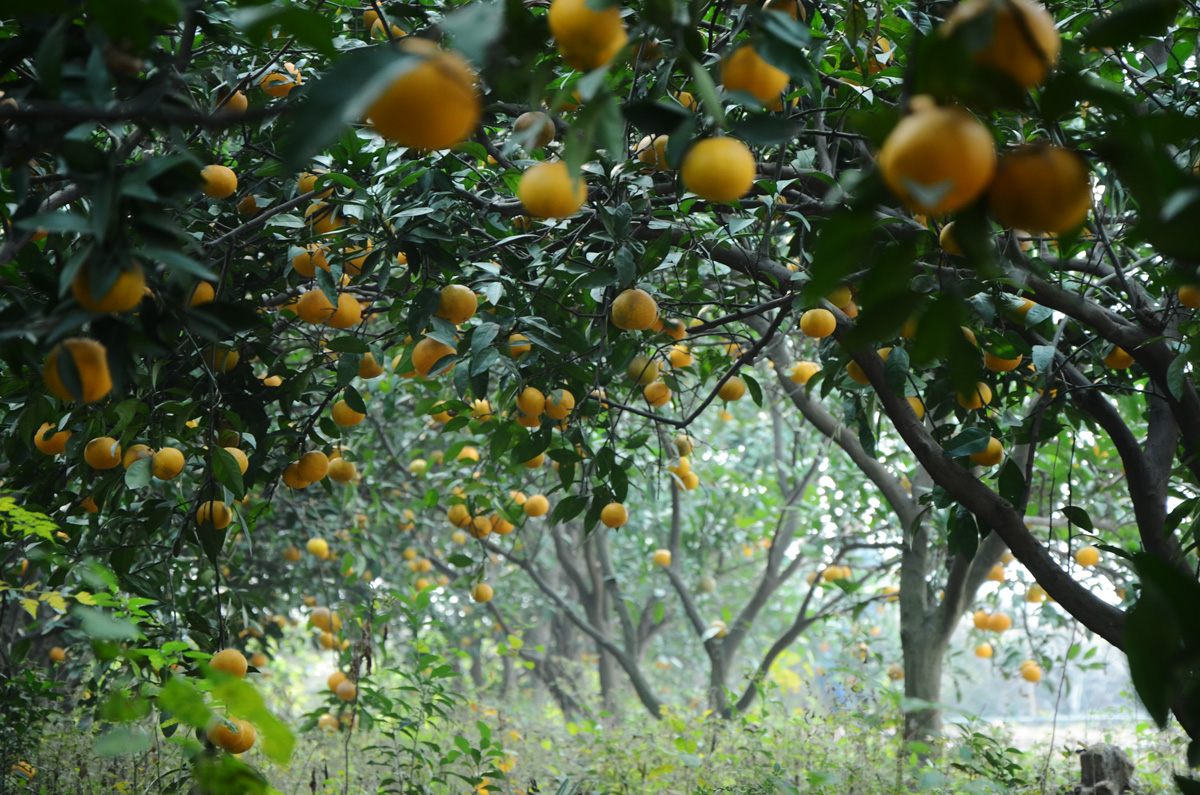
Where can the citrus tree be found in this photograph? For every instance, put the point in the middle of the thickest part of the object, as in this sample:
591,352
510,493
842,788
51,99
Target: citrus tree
226,224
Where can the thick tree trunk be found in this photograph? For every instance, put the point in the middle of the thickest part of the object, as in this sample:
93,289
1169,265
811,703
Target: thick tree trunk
924,653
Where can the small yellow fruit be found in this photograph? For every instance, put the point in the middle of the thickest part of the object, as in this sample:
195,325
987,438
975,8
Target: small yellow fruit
313,466
745,70
661,557
434,105
999,622
91,363
614,515
531,402
818,323
50,443
634,310
733,389
1118,359
980,397
1087,556
318,547
983,650
548,191
342,471
126,292
347,691
481,592
991,456
536,505
230,661
457,304
167,464
542,127
214,512
1031,671
219,181
719,169
102,453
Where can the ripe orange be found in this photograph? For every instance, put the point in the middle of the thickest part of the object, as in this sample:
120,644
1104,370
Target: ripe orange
318,547
531,402
856,372
50,443
1189,296
541,136
680,356
291,554
918,406
657,393
634,310
235,742
348,314
949,242
481,592
308,181
1087,556
230,661
991,456
167,463
102,452
314,307
203,293
216,512
457,304
981,619
219,181
614,515
999,622
136,453
427,353
719,169
313,466
661,557
368,367
559,404
652,150
977,398
280,84
548,191
1118,359
983,650
803,371
322,218
458,515
745,70
291,477
818,323
433,105
344,416
347,691
937,160
1041,188
91,362
732,390
536,505
124,294
1031,671
584,35
57,654
998,365
1024,43
518,344
642,371
236,104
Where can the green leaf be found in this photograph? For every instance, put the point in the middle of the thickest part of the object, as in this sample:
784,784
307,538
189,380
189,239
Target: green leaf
307,27
1078,517
342,95
895,370
963,533
181,698
569,508
120,741
971,440
1131,21
461,561
227,472
347,344
138,474
101,626
1011,483
245,702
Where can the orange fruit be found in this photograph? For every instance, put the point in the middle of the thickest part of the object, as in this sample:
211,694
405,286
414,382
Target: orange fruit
236,104
102,452
312,466
427,353
136,453
215,512
280,84
548,191
536,505
322,218
634,310
652,150
481,592
318,548
203,293
219,181
518,344
803,371
818,323
661,557
719,169
433,105
1041,188
977,398
230,661
344,416
57,654
1189,296
983,650
123,294
586,35
614,515
732,390
235,742
369,368
559,404
745,70
999,365
50,443
347,691
1087,556
1118,359
949,242
314,307
999,622
541,136
308,182
457,304
1024,43
531,402
657,393
937,160
91,363
167,463
991,456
